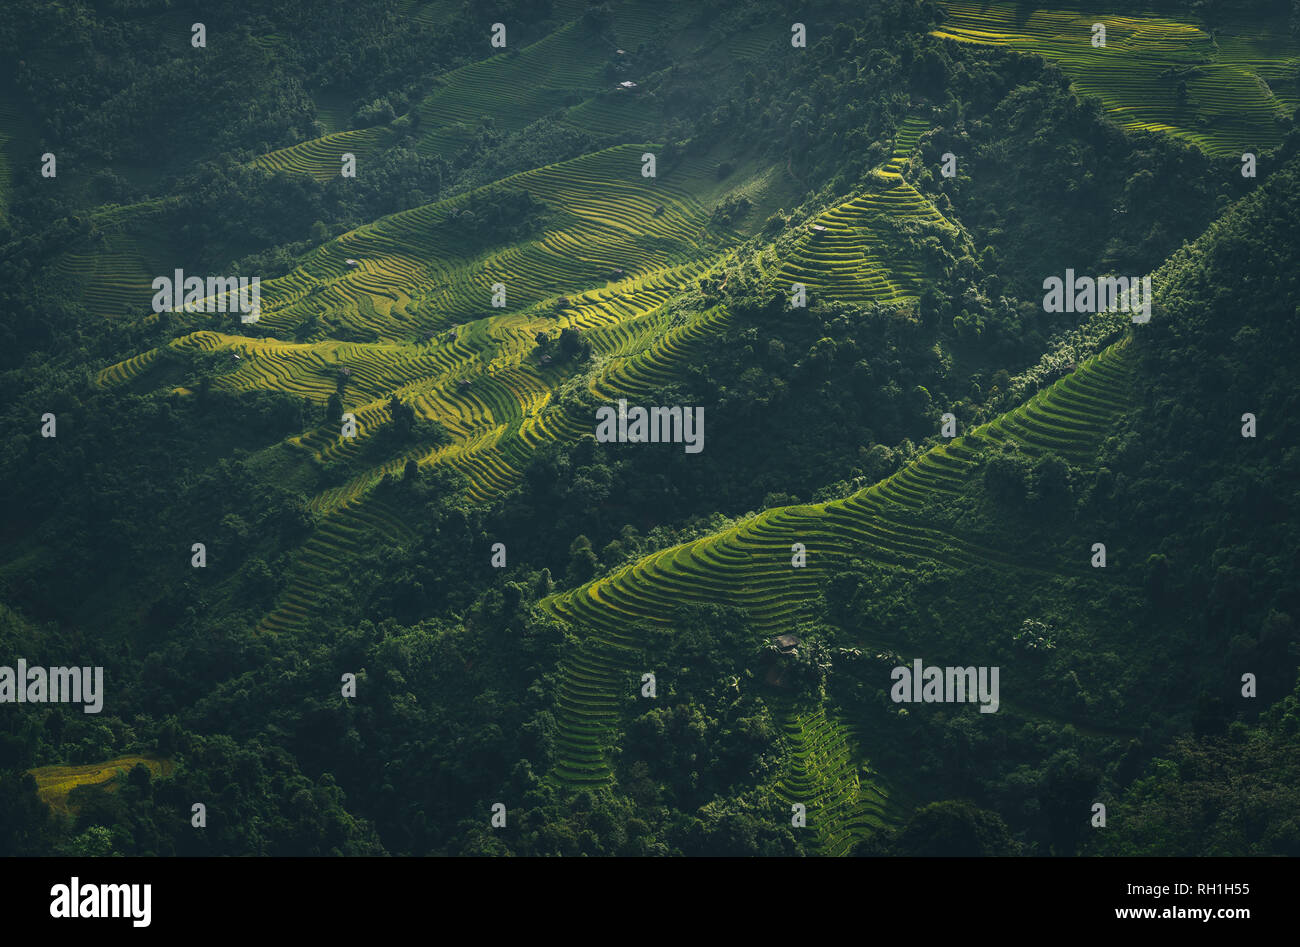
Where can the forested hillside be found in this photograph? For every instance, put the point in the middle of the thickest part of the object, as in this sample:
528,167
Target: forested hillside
364,567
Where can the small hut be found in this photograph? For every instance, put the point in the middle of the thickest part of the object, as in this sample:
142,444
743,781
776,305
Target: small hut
786,643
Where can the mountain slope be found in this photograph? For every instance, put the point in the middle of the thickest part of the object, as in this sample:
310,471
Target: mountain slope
1225,90
750,566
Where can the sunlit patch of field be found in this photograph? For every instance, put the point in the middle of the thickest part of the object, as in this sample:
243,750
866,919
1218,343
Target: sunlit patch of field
1224,90
748,566
55,783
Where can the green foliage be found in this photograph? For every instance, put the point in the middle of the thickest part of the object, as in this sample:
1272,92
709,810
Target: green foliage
1230,795
372,555
946,830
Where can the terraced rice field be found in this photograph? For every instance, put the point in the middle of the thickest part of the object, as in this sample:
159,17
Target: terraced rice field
417,271
845,799
1238,81
620,245
430,14
54,783
749,566
558,72
11,124
492,455
113,277
853,258
502,422
560,76
322,158
112,271
612,251
510,88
